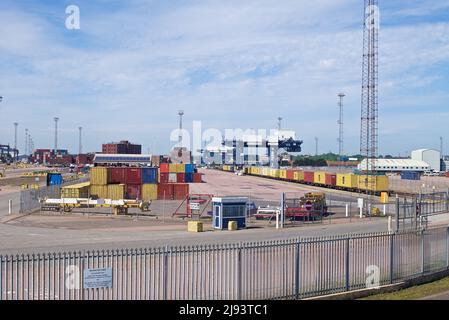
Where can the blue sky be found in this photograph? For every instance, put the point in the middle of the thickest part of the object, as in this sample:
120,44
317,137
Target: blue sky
230,64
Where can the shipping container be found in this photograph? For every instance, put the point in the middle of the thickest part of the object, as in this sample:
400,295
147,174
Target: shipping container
172,177
80,190
99,176
99,191
165,191
164,167
373,183
347,181
181,178
133,191
173,168
274,173
410,175
116,191
447,174
149,175
298,176
331,179
197,177
319,177
309,176
118,175
149,192
189,177
290,175
265,172
163,177
133,176
283,174
190,168
180,191
54,179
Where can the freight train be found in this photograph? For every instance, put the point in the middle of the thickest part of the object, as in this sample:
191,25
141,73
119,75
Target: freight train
354,182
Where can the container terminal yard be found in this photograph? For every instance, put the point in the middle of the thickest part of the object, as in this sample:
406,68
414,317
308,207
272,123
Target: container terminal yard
229,214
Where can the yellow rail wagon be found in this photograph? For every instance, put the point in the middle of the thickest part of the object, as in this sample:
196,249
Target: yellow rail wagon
373,183
265,172
319,177
283,174
347,181
274,173
298,176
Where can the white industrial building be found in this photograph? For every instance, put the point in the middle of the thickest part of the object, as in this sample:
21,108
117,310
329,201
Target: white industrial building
429,156
396,165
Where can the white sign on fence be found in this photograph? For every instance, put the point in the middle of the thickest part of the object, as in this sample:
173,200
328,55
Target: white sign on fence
97,278
360,203
194,206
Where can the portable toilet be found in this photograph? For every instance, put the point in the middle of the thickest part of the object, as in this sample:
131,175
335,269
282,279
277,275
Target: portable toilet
225,209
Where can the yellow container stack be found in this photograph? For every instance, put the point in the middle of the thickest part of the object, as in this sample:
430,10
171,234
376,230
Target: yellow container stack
116,191
99,176
80,190
149,192
98,191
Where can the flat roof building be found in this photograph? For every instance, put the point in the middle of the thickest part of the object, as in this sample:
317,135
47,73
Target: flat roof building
396,165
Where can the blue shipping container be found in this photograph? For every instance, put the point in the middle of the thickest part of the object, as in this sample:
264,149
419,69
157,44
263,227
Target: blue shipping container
190,168
54,179
149,175
410,175
189,177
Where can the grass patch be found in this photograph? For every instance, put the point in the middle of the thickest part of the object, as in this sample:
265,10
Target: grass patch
415,292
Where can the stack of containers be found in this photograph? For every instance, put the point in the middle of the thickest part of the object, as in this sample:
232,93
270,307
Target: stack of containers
149,183
173,181
99,180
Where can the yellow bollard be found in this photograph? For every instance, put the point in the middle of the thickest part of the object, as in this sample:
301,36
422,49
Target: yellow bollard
232,225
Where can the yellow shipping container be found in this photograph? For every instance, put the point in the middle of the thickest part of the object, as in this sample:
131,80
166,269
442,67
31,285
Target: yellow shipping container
80,190
116,191
274,173
149,192
347,180
265,172
283,174
99,176
298,176
100,191
180,168
373,183
319,177
172,168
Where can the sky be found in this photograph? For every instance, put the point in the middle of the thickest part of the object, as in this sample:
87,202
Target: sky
229,64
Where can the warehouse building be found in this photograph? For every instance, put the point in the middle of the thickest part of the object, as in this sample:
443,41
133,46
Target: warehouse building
429,156
397,165
122,147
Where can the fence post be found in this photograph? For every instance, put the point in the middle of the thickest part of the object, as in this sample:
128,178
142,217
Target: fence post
165,272
447,248
347,264
422,252
391,258
239,272
9,206
297,274
397,213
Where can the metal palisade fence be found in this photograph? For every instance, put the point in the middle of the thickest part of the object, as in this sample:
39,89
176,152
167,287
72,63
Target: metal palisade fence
287,269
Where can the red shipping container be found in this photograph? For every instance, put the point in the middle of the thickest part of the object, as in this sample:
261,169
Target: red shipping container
291,174
164,167
181,178
331,179
133,191
118,175
164,177
180,191
309,176
133,175
165,191
447,174
197,177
